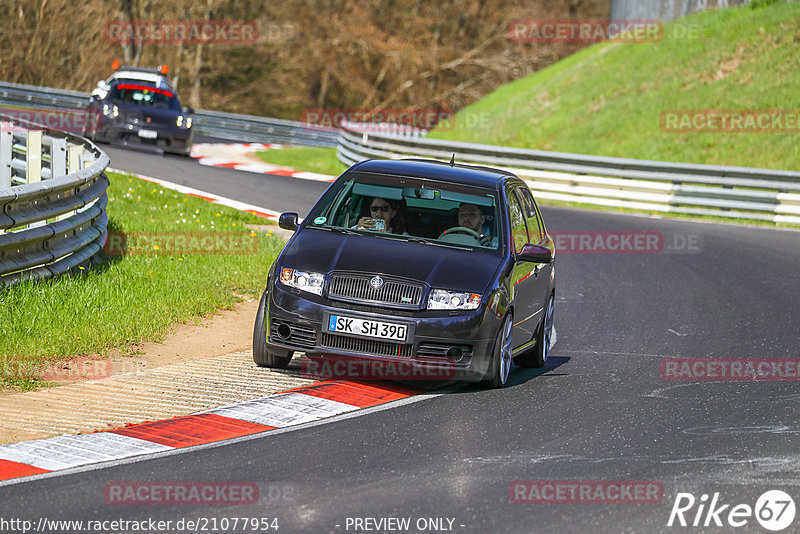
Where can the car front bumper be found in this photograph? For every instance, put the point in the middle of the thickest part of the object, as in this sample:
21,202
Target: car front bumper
166,138
442,345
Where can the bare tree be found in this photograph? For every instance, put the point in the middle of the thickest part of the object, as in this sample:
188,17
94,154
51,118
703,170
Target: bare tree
310,53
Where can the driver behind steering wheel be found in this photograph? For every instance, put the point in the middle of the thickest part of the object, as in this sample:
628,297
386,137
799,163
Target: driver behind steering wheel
470,216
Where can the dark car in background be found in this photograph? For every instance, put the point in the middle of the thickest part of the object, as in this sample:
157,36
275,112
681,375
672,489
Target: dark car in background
423,289
140,107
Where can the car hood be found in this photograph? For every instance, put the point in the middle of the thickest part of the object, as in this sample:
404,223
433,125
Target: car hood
443,267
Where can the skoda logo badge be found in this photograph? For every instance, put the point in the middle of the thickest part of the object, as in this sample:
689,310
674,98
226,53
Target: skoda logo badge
376,282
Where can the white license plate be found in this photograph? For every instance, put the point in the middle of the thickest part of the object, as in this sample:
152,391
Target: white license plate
148,134
368,328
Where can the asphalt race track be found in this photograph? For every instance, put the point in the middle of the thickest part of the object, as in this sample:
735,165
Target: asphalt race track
262,190
599,411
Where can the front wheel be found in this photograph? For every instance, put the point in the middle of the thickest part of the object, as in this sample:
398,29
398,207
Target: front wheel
261,353
501,357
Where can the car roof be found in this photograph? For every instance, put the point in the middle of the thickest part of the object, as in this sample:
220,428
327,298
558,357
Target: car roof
159,80
436,170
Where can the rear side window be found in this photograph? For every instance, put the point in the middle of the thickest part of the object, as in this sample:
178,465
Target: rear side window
535,228
519,232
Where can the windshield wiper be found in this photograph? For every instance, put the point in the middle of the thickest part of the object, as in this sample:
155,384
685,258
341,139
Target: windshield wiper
436,243
338,229
420,240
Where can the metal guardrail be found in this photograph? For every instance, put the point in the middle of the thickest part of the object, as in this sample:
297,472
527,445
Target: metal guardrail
735,192
52,201
231,126
261,130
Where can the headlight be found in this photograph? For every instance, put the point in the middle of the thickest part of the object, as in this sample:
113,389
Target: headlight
179,121
442,299
183,122
303,280
110,110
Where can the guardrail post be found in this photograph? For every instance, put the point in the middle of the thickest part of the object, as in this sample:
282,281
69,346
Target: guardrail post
6,142
33,164
86,158
74,162
74,158
58,158
58,166
33,157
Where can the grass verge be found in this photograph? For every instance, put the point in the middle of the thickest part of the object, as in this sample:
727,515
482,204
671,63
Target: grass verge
318,159
608,99
138,296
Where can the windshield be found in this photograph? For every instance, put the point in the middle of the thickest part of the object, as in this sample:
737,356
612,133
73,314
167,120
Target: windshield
412,208
144,95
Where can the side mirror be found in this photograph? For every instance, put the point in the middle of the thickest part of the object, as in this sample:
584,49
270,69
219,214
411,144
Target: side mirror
188,109
101,84
288,221
536,254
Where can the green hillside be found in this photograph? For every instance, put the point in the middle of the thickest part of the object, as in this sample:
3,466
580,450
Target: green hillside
608,99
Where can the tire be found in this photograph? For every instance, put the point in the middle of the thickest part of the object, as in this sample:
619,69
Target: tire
501,356
538,356
261,353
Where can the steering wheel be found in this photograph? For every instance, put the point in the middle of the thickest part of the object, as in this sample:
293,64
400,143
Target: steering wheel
462,230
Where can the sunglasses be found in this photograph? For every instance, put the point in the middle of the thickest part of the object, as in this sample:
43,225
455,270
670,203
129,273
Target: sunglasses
375,209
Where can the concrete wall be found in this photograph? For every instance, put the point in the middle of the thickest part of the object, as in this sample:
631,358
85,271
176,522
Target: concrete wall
664,10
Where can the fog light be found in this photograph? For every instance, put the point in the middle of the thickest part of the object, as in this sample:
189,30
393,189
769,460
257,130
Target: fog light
455,354
284,332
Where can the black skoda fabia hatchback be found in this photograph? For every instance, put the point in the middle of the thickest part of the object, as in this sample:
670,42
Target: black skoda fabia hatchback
445,271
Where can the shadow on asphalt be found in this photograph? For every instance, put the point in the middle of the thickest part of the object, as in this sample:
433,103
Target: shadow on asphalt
518,376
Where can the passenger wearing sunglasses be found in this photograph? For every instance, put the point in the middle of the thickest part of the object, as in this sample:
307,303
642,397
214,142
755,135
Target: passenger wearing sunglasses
386,210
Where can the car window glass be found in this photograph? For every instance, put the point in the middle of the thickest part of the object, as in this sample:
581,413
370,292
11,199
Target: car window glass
518,230
140,95
542,227
531,216
424,208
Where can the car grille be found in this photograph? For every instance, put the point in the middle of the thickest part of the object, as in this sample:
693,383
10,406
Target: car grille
357,288
395,312
300,335
366,346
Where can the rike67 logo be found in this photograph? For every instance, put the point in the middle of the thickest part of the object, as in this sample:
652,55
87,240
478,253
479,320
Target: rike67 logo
774,510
